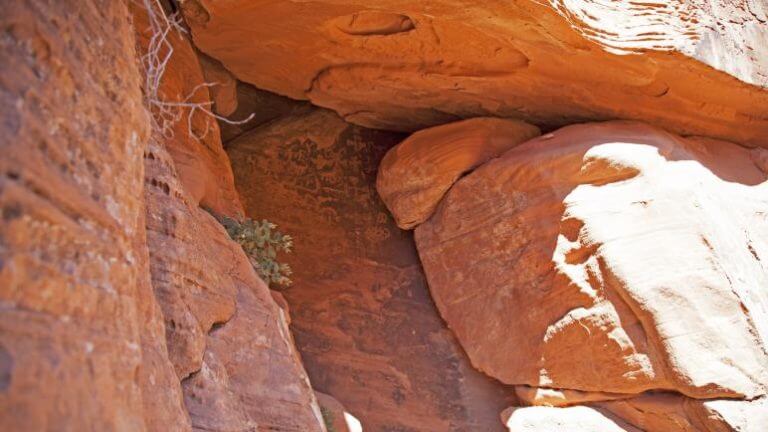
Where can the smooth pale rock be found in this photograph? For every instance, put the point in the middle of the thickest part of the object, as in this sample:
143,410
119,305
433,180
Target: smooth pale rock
691,66
367,330
414,176
571,419
609,257
82,345
741,416
649,412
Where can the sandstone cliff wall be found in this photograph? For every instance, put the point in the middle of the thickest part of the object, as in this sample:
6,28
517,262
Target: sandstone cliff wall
125,305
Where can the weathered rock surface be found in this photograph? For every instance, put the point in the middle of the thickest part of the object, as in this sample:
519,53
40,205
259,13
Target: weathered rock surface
194,138
227,338
406,65
651,412
81,338
251,369
363,320
415,175
609,257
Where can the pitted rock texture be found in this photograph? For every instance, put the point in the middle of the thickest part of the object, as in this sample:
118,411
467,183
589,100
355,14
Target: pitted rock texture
363,320
415,175
252,375
189,271
227,338
691,66
81,339
609,257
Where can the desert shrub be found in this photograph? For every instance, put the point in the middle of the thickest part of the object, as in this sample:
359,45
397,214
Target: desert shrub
261,242
327,419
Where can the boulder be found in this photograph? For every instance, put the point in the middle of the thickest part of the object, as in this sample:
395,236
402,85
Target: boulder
414,176
611,257
691,66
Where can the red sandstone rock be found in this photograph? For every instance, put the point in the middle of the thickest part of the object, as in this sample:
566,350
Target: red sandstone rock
361,314
414,176
225,333
608,257
223,85
258,105
251,374
227,338
188,267
194,143
335,415
81,339
408,65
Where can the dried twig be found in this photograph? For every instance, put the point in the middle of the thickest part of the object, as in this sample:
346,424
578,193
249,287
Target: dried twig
165,114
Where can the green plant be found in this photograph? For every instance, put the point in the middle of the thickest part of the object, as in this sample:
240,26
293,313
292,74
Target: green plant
261,242
327,419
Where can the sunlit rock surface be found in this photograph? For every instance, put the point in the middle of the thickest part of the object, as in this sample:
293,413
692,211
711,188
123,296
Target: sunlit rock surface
415,175
611,244
691,66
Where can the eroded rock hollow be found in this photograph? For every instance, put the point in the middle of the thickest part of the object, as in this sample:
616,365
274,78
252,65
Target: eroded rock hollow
524,216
